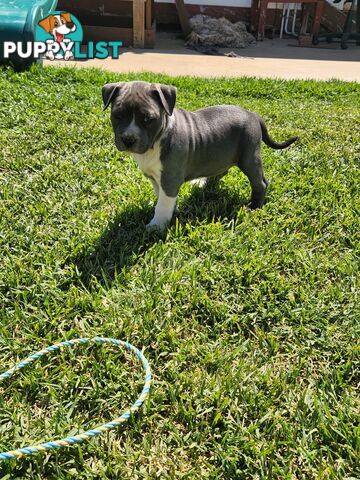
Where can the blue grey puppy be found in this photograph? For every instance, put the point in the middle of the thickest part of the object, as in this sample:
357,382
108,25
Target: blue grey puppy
172,146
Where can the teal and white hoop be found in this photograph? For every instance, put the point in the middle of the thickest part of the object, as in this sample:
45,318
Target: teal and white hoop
81,437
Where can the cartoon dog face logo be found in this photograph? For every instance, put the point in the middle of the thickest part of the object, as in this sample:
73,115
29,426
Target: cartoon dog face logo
58,26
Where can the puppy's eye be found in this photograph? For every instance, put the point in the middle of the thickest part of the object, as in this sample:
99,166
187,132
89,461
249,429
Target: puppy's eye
118,114
147,119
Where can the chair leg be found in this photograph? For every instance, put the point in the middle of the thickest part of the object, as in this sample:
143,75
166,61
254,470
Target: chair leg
317,17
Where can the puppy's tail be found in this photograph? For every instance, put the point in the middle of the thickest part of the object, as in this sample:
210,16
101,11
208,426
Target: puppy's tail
270,142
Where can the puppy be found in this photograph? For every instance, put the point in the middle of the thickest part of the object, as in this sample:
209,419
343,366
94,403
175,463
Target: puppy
172,146
58,26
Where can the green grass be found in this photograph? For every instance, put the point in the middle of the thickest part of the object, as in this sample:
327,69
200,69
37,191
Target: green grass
250,321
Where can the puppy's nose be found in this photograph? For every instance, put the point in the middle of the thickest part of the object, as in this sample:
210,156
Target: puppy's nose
69,24
128,140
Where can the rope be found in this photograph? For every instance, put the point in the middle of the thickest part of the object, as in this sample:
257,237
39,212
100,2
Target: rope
68,441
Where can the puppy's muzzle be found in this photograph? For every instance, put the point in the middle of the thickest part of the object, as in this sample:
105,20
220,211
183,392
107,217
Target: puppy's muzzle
129,140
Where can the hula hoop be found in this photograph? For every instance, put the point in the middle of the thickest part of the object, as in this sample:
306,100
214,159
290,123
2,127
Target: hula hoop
68,441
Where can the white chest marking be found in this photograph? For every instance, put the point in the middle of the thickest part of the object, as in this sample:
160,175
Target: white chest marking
149,162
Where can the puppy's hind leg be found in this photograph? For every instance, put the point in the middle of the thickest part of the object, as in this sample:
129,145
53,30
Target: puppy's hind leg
200,182
251,165
213,182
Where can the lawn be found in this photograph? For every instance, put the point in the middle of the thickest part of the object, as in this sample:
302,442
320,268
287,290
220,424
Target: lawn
250,321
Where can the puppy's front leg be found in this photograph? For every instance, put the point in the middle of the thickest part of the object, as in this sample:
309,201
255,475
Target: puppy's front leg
163,211
155,187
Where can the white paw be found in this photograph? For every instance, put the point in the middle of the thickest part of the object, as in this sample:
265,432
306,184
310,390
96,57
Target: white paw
199,182
50,55
158,224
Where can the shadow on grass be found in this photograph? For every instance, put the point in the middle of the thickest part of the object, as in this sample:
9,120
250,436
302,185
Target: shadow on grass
125,239
212,203
119,246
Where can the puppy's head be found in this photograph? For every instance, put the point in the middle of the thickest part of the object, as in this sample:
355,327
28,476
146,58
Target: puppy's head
138,112
58,25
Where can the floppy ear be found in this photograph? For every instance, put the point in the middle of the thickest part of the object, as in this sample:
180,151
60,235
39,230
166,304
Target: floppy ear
109,91
47,23
167,95
66,16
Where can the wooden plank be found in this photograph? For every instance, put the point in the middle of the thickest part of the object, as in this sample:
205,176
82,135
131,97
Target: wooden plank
261,22
148,15
333,19
150,37
183,17
138,23
317,17
254,16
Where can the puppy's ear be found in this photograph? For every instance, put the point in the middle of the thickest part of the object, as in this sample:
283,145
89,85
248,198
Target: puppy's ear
66,16
109,91
167,95
47,23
